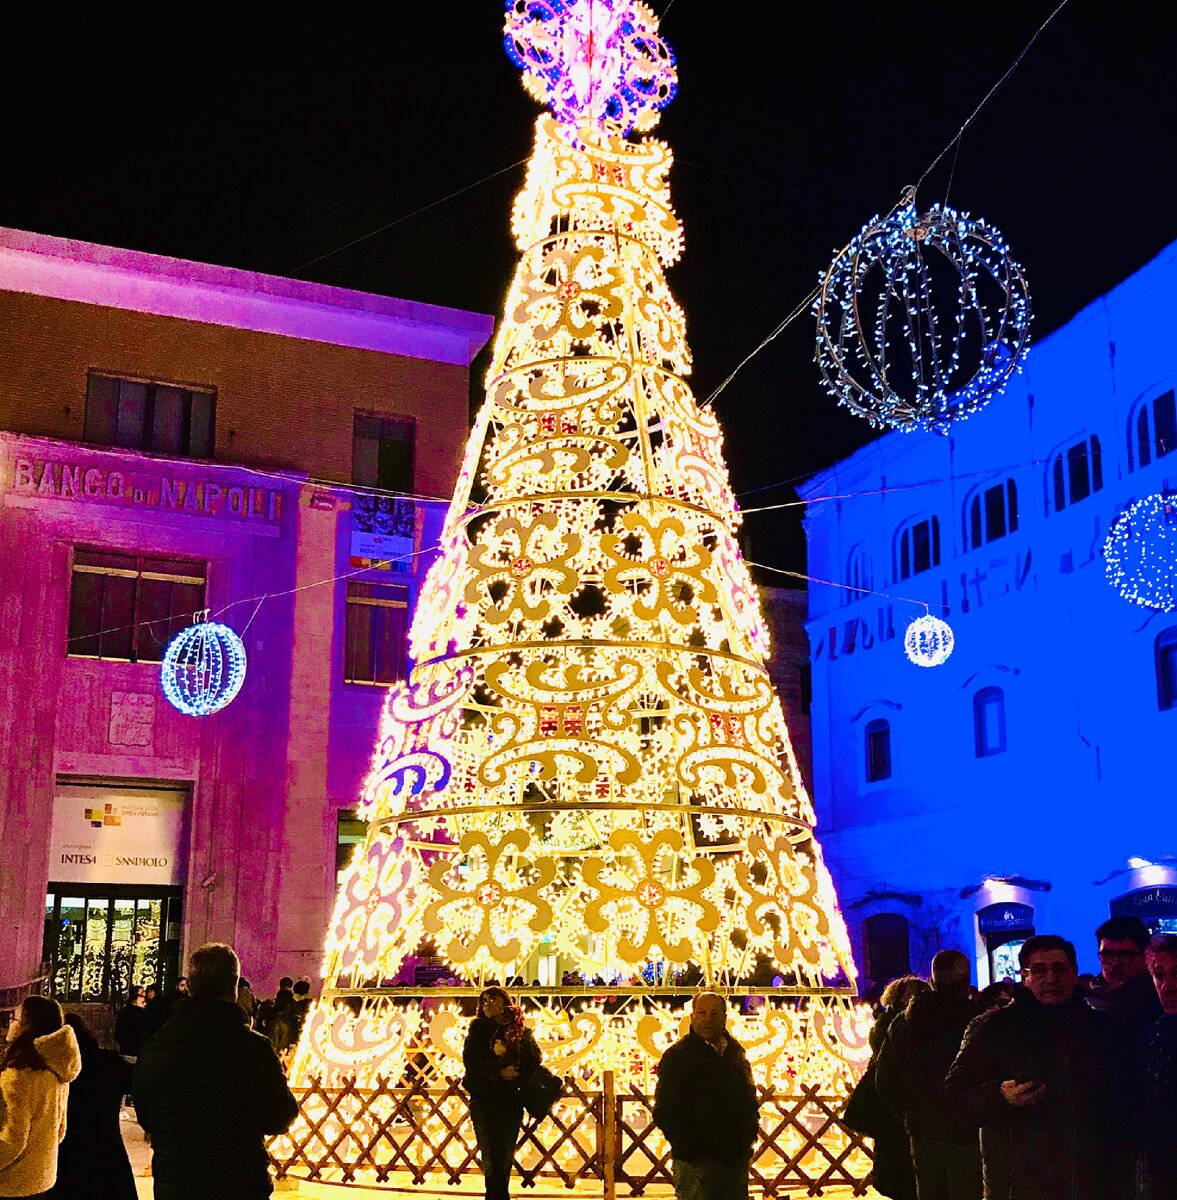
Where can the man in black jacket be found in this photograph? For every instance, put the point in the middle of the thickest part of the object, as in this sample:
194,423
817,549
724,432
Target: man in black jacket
1038,1077
207,1090
706,1105
909,1074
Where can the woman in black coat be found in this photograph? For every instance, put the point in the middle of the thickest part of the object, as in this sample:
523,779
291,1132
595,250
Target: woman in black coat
894,1174
92,1160
499,1055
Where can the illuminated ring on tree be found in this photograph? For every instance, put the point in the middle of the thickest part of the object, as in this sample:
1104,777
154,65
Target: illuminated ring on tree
599,61
1140,553
929,641
921,319
203,668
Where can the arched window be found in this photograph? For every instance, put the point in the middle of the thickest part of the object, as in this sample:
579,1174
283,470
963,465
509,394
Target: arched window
886,947
989,722
1166,651
860,571
991,513
917,547
1075,473
1152,430
878,750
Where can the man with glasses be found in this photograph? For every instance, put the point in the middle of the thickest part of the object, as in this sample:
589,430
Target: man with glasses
1128,997
1037,1077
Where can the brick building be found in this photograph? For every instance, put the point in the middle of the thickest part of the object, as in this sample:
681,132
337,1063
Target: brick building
177,437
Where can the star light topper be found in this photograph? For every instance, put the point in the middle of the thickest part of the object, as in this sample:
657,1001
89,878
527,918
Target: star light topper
592,61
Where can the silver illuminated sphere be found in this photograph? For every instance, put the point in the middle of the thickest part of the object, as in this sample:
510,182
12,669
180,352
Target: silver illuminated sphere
928,641
922,319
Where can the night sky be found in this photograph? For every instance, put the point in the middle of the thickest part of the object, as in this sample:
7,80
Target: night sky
263,146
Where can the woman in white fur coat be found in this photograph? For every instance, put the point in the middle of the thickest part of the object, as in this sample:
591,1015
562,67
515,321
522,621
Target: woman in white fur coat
36,1067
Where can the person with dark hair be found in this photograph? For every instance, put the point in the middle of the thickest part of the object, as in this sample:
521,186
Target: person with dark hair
866,1110
1160,1096
996,995
302,1005
246,1001
36,1068
92,1161
131,1025
1128,997
1038,1078
920,1046
499,1053
280,1017
706,1105
208,1090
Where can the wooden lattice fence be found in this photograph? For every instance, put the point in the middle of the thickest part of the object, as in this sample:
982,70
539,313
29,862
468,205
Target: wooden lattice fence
385,1134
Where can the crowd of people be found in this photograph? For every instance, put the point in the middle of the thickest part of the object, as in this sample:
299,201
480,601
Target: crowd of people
1054,1088
200,1062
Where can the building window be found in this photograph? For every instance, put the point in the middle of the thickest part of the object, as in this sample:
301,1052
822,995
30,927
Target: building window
878,750
1075,473
382,452
163,418
1152,430
886,946
350,832
989,722
917,547
377,632
991,514
1166,652
128,606
860,572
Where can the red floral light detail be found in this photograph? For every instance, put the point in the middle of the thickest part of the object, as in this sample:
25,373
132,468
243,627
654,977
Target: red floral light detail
659,567
569,290
651,894
521,566
373,901
489,894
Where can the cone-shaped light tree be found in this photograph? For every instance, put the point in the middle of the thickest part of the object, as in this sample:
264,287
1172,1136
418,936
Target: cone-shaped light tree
588,773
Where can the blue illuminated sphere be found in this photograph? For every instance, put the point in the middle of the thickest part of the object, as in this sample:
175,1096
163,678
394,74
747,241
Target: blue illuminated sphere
922,319
1140,553
203,668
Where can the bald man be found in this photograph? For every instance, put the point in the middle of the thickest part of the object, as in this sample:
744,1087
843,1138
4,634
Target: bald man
706,1106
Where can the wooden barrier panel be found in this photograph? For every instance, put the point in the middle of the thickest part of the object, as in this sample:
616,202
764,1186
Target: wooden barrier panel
371,1135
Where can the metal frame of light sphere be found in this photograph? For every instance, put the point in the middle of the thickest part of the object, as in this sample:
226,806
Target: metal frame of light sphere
1140,553
203,668
928,641
991,308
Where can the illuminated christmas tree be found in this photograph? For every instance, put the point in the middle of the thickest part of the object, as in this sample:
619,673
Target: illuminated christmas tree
588,771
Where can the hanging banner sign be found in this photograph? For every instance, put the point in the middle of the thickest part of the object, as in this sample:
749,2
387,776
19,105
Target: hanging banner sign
383,532
117,835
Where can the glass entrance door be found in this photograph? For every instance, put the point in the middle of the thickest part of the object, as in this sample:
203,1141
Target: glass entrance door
101,941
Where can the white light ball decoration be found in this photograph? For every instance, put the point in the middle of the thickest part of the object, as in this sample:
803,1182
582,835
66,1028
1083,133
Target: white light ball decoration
929,641
922,319
1140,553
203,668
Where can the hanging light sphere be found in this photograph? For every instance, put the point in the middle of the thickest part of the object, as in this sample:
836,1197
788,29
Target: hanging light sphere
922,319
595,61
928,641
203,668
1140,553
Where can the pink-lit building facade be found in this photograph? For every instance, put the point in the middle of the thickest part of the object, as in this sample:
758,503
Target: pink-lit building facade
176,437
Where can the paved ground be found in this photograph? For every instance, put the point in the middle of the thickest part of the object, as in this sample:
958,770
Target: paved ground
140,1154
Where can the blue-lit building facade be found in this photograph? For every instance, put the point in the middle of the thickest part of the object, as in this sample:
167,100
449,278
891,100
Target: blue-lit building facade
1030,782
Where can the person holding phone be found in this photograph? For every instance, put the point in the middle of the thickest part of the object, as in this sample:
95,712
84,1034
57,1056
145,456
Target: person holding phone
1038,1078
